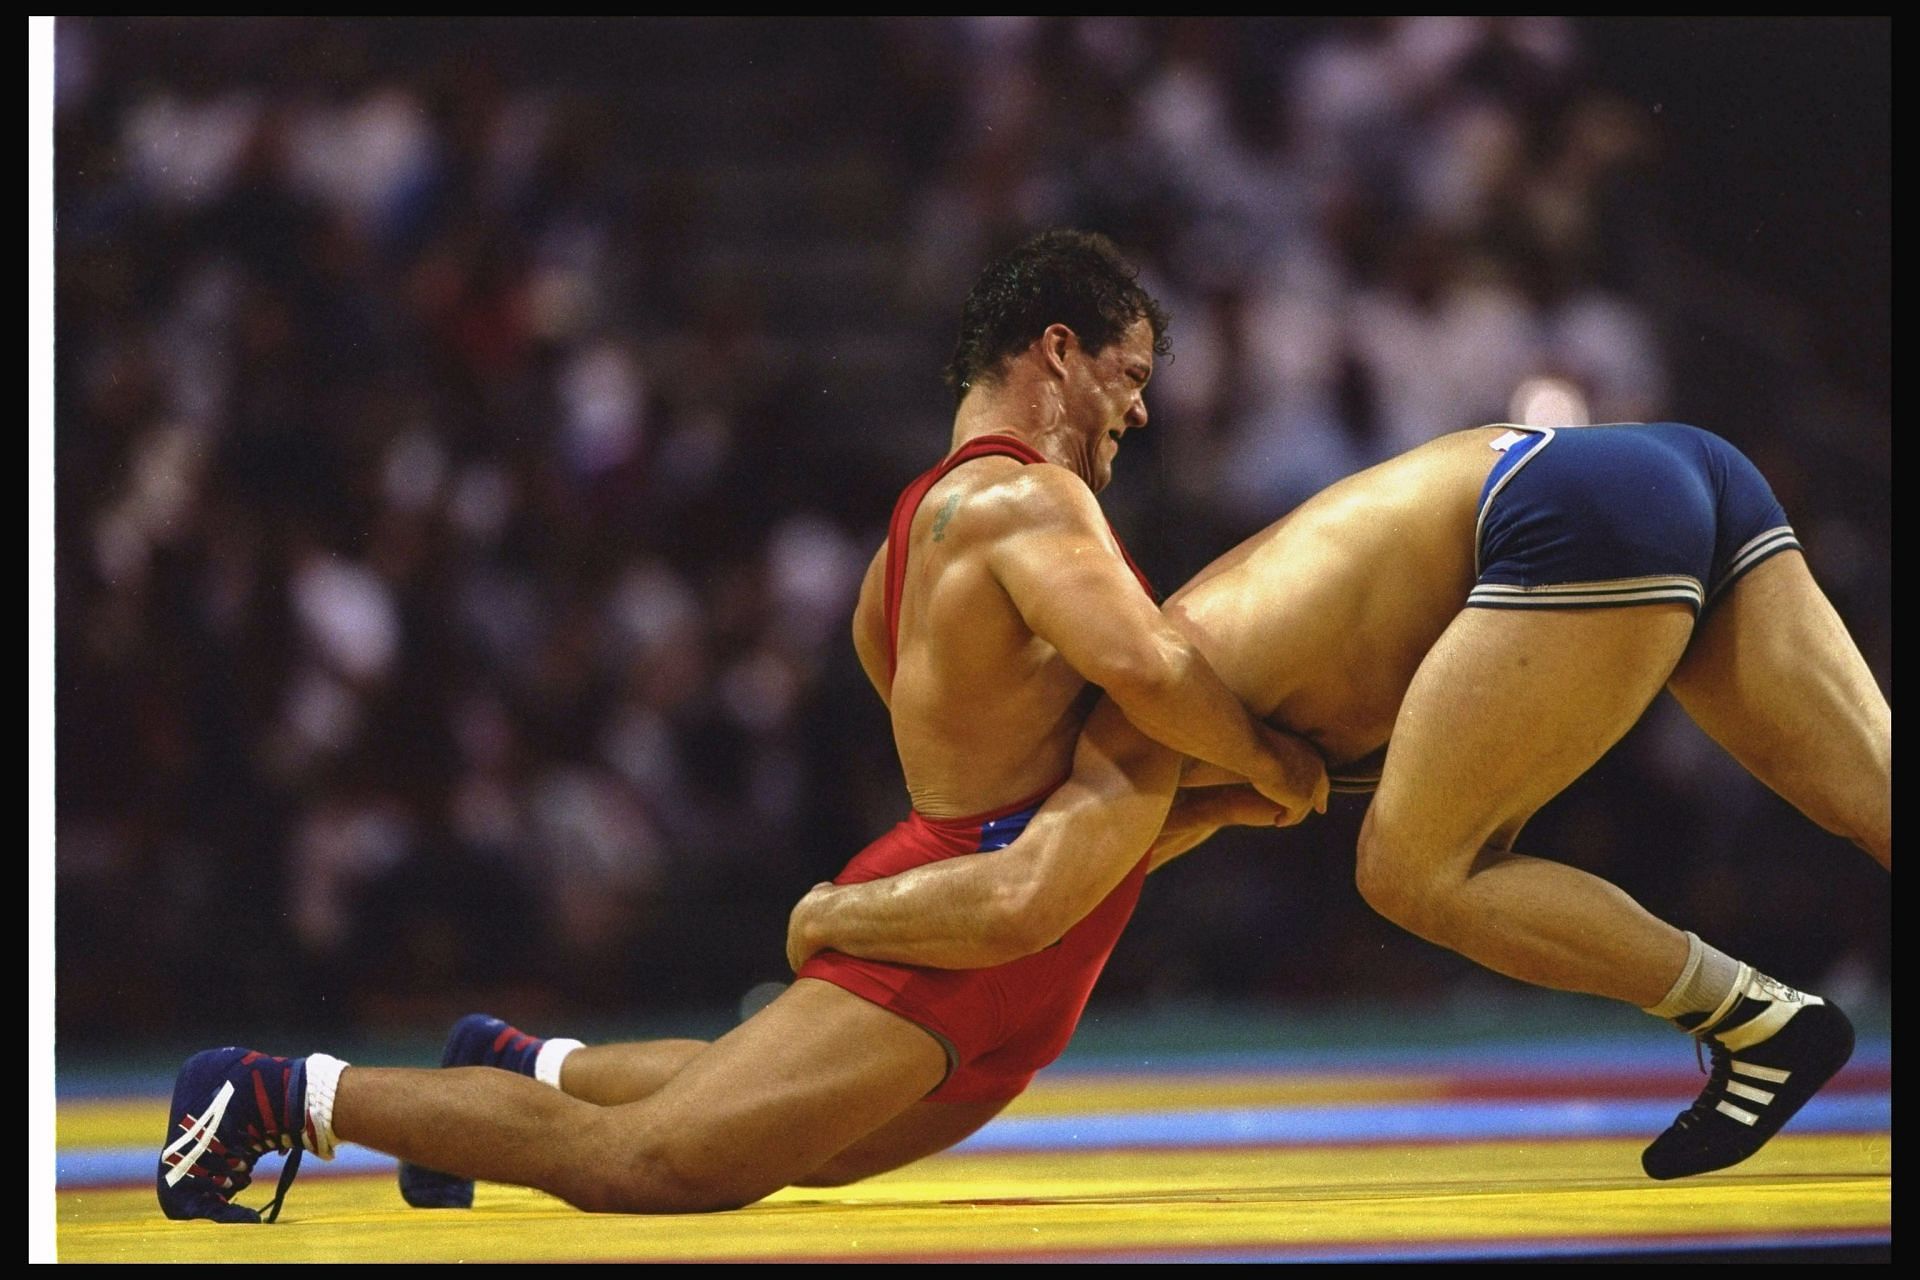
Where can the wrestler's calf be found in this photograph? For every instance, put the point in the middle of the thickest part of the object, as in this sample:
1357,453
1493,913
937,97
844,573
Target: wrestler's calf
656,1182
655,1172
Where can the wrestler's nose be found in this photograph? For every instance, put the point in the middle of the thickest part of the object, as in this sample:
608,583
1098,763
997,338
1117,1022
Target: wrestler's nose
1137,411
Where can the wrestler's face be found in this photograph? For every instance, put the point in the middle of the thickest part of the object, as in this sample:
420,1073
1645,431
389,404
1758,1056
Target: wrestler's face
1111,399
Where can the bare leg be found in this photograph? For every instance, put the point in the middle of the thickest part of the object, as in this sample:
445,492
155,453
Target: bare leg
609,1075
612,1075
923,1130
1508,708
1774,678
768,1103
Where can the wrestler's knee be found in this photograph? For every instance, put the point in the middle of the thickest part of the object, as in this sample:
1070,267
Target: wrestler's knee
1398,879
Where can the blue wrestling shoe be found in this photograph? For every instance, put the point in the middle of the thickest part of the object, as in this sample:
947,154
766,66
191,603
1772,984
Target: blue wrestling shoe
1771,1053
477,1040
230,1107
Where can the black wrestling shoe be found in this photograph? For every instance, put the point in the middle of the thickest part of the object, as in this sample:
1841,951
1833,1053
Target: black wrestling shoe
1771,1052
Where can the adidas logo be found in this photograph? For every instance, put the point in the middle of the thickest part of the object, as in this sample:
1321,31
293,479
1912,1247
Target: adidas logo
1768,988
1752,1093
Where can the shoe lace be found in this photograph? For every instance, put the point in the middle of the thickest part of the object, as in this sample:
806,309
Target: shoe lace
287,1170
231,1167
1716,1087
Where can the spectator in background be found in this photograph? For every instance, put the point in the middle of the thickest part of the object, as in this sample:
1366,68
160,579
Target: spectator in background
410,378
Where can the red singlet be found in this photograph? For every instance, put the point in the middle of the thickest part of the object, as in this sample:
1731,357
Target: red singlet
1001,1025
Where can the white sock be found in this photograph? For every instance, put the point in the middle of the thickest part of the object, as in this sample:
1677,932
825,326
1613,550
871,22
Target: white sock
1706,983
547,1063
323,1081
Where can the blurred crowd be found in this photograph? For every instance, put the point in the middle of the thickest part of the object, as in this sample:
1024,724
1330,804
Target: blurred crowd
470,438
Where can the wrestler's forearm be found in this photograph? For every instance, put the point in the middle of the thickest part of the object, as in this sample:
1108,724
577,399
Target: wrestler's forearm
1183,704
975,912
995,907
950,915
1199,813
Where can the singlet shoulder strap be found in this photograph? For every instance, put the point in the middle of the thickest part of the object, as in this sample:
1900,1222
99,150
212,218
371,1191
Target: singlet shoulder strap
900,527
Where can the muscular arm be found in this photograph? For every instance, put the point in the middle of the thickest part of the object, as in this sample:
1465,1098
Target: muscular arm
1051,552
1199,813
993,907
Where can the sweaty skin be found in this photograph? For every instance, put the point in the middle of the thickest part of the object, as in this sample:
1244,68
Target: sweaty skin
1017,598
1317,623
1010,608
1344,622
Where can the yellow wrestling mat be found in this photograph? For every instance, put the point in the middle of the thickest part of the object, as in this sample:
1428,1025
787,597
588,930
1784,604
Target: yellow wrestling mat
1369,1197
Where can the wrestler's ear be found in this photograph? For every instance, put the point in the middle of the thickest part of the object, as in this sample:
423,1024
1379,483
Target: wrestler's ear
1056,343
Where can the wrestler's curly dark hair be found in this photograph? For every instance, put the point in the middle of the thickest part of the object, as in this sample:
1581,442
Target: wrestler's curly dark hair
1075,278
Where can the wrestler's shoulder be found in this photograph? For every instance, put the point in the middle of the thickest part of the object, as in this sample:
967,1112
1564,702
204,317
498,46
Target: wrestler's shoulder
987,501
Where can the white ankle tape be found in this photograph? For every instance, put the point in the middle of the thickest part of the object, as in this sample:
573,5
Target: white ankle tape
547,1063
1674,1003
323,1081
1709,983
1720,1011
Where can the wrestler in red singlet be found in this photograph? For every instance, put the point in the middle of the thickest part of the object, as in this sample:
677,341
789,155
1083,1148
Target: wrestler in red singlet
999,1026
1020,603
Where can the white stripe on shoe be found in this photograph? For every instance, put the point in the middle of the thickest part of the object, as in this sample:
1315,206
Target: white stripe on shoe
1738,1113
1772,1075
1759,1027
199,1134
1748,1092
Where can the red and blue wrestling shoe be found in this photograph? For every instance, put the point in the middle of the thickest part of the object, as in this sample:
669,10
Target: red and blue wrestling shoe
477,1040
230,1107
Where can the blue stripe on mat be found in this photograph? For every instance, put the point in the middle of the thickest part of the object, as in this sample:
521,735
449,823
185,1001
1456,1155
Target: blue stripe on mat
1408,1122
118,1166
1659,1052
1246,1126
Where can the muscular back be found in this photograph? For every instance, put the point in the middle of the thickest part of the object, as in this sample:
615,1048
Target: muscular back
985,712
1318,621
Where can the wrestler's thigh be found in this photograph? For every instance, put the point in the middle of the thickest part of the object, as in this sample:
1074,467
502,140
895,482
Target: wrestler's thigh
1774,678
771,1101
1508,707
922,1130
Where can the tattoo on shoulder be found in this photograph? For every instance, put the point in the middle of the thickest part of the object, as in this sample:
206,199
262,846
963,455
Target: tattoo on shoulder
945,514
